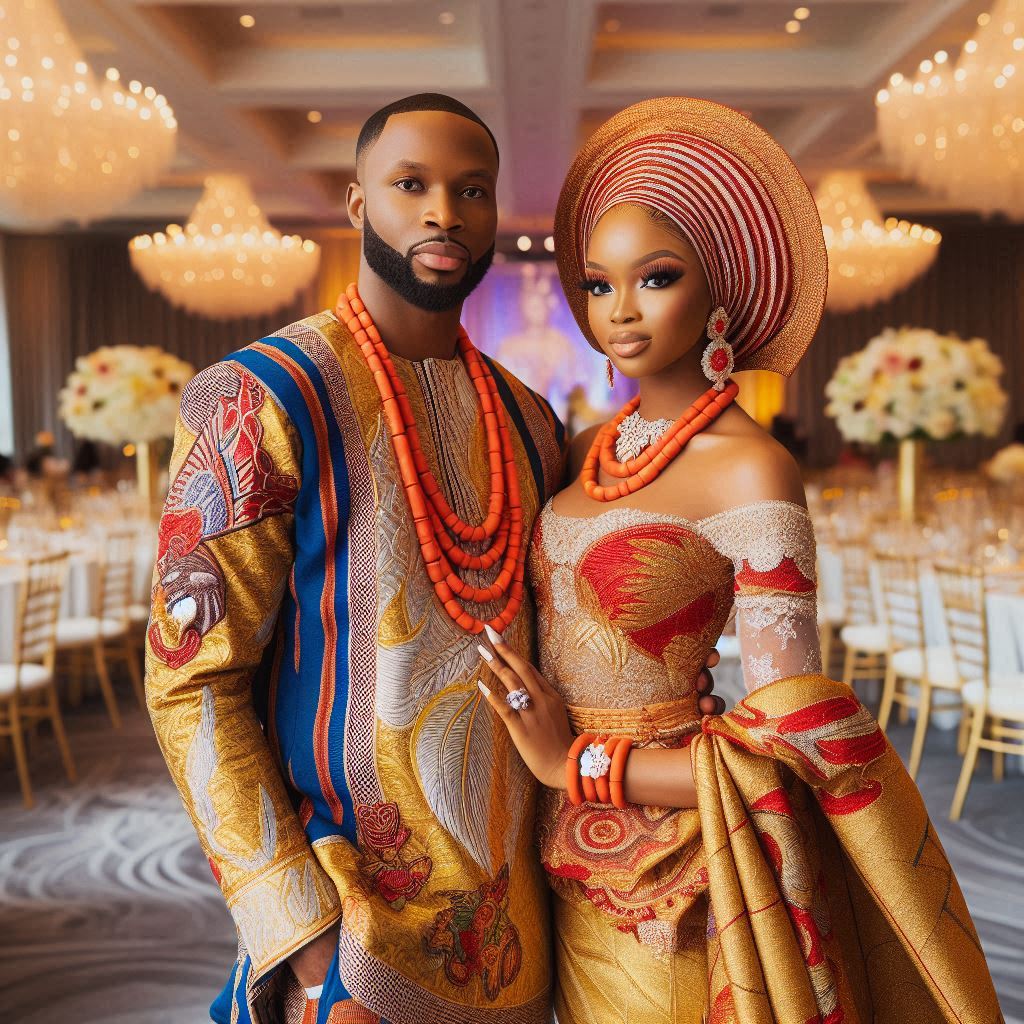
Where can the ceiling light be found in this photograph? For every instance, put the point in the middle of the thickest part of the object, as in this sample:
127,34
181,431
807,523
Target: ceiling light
951,125
247,21
74,147
227,261
549,243
314,117
523,243
802,13
792,27
446,18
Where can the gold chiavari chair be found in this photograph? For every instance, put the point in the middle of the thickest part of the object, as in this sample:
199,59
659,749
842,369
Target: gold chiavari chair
996,700
28,690
865,638
108,633
909,658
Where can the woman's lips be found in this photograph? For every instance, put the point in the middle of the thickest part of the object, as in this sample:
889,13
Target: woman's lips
439,256
626,344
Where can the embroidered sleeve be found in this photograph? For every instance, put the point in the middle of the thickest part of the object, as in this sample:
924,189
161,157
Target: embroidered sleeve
224,555
771,546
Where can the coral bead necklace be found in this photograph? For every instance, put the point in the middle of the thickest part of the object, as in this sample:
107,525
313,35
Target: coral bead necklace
648,465
434,520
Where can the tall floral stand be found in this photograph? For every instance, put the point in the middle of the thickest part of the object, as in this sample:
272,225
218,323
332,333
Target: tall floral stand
911,464
147,475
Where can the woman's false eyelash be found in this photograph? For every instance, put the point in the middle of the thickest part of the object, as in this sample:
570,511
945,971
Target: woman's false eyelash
588,284
668,269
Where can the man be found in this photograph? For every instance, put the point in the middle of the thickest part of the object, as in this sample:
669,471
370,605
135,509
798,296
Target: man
311,687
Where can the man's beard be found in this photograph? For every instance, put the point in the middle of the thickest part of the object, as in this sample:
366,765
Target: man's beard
397,272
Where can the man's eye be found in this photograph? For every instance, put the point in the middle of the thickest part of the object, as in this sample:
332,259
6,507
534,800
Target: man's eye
408,185
474,192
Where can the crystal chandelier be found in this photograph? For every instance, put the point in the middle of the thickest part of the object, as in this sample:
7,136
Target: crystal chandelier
71,148
868,260
959,128
227,261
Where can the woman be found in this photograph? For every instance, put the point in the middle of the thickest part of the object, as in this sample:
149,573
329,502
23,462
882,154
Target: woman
770,864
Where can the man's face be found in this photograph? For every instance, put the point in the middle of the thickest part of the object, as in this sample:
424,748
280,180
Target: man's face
426,205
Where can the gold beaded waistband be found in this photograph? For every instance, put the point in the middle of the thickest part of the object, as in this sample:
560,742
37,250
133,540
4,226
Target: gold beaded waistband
651,723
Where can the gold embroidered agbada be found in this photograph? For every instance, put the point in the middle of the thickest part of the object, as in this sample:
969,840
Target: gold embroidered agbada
317,706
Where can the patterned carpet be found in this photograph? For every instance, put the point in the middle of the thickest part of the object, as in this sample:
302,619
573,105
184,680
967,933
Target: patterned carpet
109,915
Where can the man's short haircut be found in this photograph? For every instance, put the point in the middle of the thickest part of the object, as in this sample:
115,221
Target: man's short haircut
371,130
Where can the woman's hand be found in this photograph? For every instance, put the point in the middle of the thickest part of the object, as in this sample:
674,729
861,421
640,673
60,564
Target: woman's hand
541,732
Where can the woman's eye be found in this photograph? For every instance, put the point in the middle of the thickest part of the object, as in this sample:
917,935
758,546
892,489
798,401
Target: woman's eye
474,192
408,185
662,280
595,287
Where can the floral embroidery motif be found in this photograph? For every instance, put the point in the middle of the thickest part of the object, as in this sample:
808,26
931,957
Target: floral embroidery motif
226,482
381,838
476,938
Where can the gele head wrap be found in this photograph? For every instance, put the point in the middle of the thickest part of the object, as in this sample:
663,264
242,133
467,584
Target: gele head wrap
735,195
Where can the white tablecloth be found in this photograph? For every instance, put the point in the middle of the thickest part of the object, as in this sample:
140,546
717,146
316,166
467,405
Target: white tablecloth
81,592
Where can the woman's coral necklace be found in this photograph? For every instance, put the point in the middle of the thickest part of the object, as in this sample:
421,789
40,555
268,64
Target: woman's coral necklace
647,467
433,517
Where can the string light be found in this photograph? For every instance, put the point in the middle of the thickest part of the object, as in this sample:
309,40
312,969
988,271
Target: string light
524,243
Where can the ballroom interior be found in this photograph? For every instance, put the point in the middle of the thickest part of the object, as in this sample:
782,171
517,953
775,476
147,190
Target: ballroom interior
173,188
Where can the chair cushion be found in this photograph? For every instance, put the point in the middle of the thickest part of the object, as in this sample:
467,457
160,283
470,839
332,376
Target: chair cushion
138,613
830,612
33,677
728,646
1005,695
871,637
71,632
909,664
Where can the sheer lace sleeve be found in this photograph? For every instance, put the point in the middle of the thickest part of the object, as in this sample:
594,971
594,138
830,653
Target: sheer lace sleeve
771,546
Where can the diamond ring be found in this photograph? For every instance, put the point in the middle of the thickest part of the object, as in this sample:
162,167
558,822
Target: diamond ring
518,700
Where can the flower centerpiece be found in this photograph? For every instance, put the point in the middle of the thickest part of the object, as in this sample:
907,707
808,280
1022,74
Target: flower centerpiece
913,385
126,394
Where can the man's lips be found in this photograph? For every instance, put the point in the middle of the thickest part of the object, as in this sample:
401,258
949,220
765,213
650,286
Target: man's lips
628,343
441,255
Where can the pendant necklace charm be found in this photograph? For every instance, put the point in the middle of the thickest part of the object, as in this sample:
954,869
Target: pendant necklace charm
636,434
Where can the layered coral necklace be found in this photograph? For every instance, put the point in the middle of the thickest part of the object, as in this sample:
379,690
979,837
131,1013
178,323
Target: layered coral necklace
635,473
439,529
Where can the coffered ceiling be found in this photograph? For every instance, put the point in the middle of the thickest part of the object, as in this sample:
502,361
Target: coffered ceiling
279,90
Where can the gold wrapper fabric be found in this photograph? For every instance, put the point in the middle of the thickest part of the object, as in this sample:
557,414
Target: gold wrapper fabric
824,892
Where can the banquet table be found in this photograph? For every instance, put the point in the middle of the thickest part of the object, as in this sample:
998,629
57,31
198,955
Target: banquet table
82,590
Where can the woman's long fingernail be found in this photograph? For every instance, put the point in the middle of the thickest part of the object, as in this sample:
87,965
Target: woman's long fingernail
484,653
483,689
493,635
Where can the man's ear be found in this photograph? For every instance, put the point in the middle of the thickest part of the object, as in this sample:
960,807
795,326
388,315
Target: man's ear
355,200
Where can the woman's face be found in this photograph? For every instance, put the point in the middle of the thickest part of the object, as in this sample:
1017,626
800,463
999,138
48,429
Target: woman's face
649,300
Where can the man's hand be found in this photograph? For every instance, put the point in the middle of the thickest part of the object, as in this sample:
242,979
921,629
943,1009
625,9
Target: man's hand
309,964
708,703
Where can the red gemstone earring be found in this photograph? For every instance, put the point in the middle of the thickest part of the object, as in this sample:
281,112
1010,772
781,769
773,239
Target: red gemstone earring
610,371
717,361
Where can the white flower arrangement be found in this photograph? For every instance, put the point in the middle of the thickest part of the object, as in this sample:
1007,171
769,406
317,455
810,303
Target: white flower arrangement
915,383
122,393
1007,465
